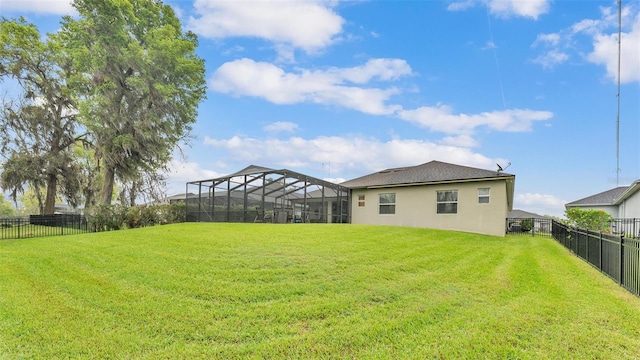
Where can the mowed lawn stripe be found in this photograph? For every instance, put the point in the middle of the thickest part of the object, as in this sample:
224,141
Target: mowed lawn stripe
307,291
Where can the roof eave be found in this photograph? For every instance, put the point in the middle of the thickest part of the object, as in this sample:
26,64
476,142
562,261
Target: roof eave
588,204
630,191
433,182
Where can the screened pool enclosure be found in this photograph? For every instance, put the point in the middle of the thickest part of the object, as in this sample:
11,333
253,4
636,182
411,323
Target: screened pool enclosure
259,194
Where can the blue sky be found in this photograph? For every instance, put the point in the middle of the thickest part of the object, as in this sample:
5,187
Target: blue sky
340,89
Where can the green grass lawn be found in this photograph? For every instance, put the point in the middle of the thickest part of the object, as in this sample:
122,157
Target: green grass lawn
307,291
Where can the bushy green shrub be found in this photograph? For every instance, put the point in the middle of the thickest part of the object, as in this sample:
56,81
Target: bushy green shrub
149,215
114,217
596,220
106,217
177,212
526,225
134,217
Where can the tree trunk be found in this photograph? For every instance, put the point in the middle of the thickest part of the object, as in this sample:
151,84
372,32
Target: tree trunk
50,196
88,199
133,193
88,194
107,186
36,189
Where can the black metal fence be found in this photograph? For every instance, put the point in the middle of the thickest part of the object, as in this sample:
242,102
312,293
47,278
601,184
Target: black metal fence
629,228
42,225
530,226
615,255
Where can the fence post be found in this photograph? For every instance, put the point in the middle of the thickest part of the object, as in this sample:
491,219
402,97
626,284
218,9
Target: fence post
533,227
600,257
622,260
586,253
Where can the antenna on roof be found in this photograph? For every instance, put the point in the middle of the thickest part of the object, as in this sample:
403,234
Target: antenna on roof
501,169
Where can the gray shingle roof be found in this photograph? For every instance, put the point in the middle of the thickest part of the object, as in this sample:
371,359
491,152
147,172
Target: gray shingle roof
431,172
604,198
521,214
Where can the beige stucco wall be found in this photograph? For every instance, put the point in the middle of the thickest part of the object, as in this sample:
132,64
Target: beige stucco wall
416,207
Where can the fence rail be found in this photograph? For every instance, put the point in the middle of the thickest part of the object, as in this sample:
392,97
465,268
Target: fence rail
529,226
629,228
42,225
615,255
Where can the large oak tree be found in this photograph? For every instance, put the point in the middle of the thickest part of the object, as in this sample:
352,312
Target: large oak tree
38,119
139,84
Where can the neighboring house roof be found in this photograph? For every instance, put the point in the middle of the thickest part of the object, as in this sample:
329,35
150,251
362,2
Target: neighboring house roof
608,197
179,196
431,172
521,214
631,189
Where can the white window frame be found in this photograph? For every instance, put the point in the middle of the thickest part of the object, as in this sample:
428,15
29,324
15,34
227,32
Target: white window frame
361,200
391,205
441,210
486,196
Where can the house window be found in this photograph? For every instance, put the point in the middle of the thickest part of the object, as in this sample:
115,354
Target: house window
360,200
447,202
483,195
387,204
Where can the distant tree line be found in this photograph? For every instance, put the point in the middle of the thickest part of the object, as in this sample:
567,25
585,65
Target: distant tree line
95,111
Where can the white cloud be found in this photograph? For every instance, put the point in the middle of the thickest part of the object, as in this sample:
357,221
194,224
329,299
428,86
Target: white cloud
506,8
490,46
523,8
334,180
181,172
349,156
281,126
461,140
344,87
246,77
461,5
588,26
549,39
551,59
54,7
441,118
541,204
605,52
602,34
307,25
380,69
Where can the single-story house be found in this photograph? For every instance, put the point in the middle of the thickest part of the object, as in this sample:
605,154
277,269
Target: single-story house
434,195
622,202
515,217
